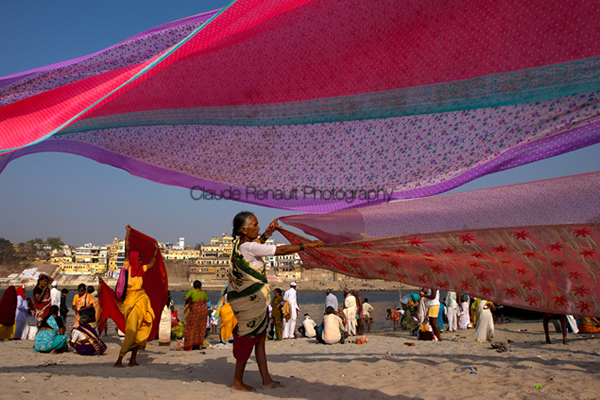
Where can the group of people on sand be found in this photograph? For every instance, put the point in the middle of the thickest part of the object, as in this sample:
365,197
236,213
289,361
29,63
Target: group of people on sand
338,322
424,315
246,313
50,311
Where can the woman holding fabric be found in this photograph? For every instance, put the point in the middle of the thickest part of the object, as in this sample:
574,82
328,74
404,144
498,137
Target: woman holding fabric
136,307
41,298
195,317
249,294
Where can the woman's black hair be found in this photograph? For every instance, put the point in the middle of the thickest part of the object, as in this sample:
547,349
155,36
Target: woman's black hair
329,310
239,221
43,278
84,319
90,289
197,285
81,285
277,290
53,310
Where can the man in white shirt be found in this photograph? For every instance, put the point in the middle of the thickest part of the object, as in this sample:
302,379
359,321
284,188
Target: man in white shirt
55,295
289,326
308,327
330,301
332,329
350,311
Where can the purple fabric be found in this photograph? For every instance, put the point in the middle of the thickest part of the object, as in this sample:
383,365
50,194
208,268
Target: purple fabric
133,50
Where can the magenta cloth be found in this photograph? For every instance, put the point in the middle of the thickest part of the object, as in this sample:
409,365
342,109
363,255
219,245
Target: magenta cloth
321,105
533,245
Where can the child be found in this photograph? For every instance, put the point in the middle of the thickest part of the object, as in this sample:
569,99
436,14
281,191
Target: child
393,315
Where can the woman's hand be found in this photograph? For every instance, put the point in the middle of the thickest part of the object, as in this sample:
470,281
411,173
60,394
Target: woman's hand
271,228
313,244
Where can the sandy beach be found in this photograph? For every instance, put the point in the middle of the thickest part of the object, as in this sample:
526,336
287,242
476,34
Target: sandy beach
384,368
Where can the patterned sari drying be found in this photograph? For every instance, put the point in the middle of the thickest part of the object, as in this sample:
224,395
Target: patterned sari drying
533,245
345,103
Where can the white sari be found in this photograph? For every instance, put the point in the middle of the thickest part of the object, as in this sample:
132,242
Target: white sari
485,323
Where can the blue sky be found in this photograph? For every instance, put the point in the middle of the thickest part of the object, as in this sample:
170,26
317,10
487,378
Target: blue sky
55,194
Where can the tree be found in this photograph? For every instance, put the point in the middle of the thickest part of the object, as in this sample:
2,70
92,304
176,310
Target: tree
6,251
55,243
37,244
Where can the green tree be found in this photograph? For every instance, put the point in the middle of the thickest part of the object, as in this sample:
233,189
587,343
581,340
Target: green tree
36,244
55,243
7,252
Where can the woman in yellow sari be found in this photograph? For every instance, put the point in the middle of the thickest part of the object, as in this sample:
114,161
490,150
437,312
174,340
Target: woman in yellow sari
136,307
228,322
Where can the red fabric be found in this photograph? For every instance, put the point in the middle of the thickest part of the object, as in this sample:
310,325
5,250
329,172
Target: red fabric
109,307
243,345
134,264
8,306
21,291
155,284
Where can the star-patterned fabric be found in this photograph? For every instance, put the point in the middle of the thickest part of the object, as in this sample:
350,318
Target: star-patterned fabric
533,245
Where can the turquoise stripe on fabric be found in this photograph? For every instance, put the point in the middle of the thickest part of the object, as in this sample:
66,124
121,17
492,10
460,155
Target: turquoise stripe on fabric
133,78
490,91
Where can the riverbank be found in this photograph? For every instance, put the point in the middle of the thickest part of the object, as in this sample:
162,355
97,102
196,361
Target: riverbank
384,368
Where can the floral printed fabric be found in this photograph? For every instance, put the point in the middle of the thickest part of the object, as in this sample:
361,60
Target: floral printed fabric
320,105
540,253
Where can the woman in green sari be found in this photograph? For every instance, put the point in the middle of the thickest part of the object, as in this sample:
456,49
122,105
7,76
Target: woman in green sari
276,314
249,294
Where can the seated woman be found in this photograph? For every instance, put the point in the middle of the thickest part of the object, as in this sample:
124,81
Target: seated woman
484,330
409,320
51,336
85,340
588,325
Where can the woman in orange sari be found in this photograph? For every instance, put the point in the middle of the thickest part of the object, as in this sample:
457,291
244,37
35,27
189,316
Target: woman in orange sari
81,302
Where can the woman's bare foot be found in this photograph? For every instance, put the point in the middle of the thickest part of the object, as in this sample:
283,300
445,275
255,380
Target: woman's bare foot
118,364
273,384
133,363
242,387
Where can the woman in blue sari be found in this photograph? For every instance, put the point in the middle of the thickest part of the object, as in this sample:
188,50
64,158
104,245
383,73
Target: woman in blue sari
51,336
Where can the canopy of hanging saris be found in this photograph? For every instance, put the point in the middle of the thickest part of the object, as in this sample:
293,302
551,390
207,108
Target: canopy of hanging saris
533,245
320,105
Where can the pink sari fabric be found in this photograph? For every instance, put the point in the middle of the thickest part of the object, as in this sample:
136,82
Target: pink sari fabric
323,105
540,253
